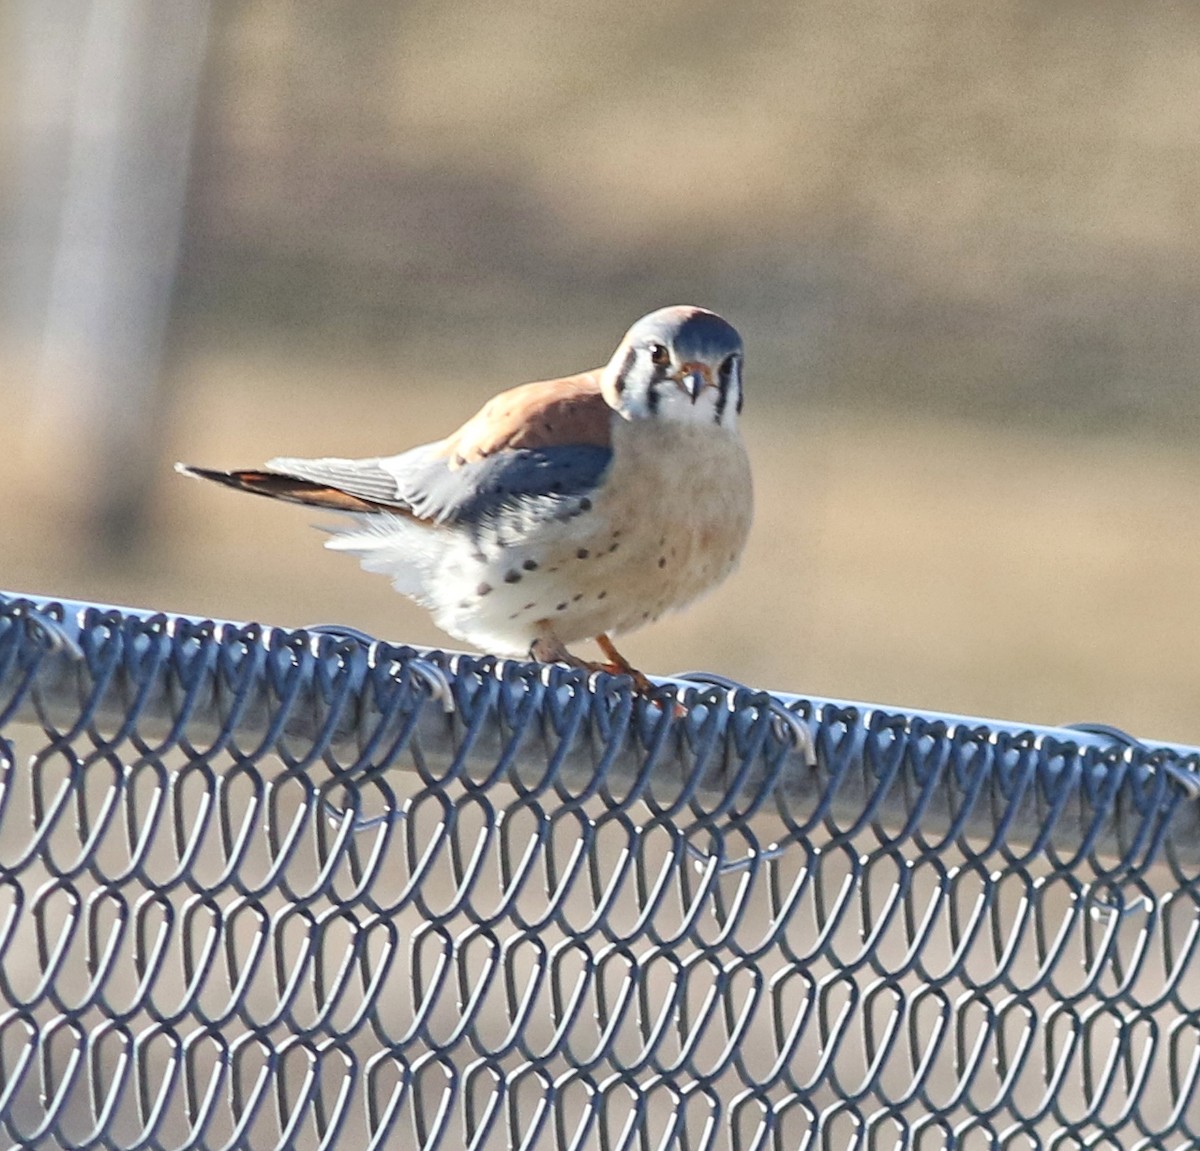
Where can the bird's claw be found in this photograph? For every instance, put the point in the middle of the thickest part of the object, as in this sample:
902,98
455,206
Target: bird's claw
641,682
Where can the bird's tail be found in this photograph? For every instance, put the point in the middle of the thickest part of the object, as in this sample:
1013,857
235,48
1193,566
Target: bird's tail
278,486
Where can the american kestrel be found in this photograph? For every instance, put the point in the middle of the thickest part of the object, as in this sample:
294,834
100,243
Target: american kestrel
564,510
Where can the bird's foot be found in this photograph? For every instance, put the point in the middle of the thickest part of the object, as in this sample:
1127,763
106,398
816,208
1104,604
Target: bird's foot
617,664
547,649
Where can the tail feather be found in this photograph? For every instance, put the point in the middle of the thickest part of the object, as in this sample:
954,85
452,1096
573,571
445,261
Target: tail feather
294,490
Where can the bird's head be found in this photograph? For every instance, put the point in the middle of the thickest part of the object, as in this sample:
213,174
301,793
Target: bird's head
680,363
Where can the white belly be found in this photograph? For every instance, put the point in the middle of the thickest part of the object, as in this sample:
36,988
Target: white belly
668,524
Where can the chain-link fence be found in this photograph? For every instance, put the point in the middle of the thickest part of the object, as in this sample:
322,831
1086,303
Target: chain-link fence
271,889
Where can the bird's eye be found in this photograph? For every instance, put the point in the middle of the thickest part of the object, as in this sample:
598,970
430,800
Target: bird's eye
659,356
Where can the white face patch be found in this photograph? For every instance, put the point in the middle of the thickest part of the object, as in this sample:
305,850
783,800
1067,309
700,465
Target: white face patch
675,404
654,381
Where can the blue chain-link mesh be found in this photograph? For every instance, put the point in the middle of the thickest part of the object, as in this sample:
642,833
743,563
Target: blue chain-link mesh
287,889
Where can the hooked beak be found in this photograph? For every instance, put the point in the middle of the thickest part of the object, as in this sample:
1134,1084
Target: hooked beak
693,378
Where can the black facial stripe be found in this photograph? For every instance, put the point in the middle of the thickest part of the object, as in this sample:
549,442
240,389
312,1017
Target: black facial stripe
630,357
652,397
728,376
724,377
658,378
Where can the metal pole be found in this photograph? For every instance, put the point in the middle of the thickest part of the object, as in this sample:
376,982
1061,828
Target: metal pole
119,81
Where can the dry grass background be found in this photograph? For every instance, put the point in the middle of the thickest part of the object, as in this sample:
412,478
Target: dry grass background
961,244
929,563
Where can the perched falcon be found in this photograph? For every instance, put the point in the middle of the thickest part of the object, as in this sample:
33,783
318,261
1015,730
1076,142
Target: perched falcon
564,510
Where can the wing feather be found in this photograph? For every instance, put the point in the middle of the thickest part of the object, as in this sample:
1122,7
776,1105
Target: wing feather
546,441
546,414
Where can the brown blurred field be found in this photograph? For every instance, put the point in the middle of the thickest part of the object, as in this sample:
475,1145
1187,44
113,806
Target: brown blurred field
961,244
928,563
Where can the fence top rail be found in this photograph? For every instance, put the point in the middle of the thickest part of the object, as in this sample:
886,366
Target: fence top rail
813,767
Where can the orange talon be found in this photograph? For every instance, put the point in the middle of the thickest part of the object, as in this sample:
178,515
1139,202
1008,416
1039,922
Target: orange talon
618,665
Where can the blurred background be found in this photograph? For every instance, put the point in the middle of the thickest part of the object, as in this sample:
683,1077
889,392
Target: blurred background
961,243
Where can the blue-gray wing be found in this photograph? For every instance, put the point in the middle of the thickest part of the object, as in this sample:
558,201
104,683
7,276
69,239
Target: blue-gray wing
508,485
